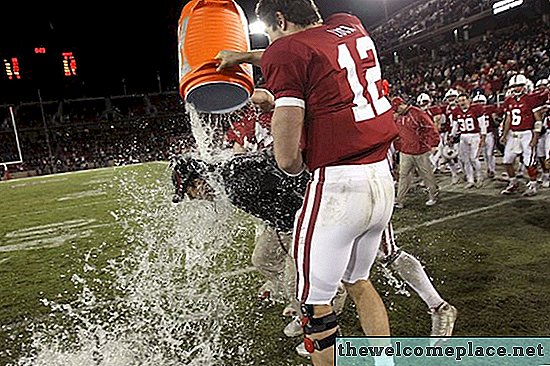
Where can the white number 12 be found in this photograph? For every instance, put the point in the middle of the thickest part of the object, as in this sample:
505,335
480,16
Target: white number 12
363,109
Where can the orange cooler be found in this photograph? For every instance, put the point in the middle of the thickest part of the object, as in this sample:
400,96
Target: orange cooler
205,28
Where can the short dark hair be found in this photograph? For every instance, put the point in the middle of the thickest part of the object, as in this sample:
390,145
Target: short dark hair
299,12
463,94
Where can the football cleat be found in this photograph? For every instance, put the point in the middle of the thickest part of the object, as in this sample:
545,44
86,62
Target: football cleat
469,185
301,350
443,321
294,328
511,188
531,190
431,202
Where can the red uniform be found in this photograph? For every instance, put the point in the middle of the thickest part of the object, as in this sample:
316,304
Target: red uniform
332,71
417,133
491,109
248,129
434,111
521,110
471,120
446,122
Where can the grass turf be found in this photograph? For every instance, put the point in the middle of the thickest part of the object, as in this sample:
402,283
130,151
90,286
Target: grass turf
488,255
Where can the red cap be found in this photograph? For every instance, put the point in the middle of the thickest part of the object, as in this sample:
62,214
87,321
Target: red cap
396,102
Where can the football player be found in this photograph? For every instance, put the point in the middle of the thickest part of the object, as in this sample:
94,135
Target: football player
424,102
469,121
522,127
449,103
491,111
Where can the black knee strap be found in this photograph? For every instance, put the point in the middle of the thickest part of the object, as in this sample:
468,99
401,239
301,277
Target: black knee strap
312,345
318,325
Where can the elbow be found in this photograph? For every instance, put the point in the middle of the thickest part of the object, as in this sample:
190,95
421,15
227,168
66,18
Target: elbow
290,166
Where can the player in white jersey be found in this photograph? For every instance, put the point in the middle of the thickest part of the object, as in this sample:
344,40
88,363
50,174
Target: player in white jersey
490,140
468,121
449,103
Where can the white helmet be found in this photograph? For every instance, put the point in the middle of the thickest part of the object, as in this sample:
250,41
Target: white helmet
423,99
542,83
518,84
451,93
449,152
480,98
517,80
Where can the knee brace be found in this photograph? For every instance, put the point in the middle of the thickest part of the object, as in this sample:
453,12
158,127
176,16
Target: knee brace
313,325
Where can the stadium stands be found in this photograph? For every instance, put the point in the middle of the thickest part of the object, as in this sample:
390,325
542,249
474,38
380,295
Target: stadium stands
484,64
92,133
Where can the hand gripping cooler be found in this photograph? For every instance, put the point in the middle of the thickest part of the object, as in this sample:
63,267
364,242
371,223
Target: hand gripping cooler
205,28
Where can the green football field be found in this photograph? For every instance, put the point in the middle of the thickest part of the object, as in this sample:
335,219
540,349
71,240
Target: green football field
100,268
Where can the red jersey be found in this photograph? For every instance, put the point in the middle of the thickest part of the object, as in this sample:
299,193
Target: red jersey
332,71
433,111
521,110
470,121
417,133
445,124
490,110
251,128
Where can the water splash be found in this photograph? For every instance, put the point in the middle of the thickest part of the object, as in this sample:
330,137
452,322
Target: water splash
161,301
209,133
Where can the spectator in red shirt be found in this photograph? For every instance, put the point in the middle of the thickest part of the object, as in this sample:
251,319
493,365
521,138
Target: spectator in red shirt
417,137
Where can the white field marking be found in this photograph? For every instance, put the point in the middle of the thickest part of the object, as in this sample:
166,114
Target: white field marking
100,202
107,169
78,195
44,243
97,181
452,217
46,181
50,236
239,272
46,229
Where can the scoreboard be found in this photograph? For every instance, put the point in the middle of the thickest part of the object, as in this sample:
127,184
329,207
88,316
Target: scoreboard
39,64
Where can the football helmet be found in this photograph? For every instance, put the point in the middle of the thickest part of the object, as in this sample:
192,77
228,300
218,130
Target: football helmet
423,100
451,95
480,98
518,84
542,84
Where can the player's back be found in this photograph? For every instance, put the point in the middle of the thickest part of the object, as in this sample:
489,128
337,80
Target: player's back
337,74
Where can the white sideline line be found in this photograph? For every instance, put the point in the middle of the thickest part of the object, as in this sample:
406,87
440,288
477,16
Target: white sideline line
68,207
113,168
450,217
239,272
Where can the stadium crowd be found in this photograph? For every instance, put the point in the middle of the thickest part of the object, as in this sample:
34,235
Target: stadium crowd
425,16
94,133
483,66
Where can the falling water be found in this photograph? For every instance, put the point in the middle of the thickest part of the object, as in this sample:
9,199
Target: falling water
162,300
